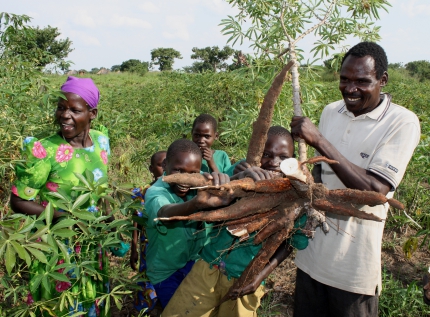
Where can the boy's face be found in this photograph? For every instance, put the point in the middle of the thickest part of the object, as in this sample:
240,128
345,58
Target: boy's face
276,149
183,162
204,135
157,166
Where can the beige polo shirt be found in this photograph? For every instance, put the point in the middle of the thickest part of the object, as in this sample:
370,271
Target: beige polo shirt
381,141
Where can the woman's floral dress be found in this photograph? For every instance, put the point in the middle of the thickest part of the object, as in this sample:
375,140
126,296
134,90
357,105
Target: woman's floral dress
50,165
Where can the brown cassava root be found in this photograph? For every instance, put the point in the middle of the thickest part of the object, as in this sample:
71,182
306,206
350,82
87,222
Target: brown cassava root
270,208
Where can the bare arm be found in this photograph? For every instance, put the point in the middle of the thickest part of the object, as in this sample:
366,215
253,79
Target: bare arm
280,255
351,175
201,201
208,156
28,207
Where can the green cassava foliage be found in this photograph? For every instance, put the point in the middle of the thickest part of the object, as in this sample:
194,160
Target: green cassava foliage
145,114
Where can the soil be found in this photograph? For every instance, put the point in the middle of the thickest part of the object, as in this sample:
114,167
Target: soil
280,284
279,298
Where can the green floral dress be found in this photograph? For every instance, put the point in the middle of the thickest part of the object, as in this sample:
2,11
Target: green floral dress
50,165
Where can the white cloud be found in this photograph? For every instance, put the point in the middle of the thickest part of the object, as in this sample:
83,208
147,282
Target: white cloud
149,7
129,21
84,19
33,15
85,38
413,9
177,27
219,6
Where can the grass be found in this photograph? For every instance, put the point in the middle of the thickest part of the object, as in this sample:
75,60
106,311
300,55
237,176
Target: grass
145,114
398,300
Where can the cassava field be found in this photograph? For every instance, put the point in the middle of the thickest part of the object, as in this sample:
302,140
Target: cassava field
145,114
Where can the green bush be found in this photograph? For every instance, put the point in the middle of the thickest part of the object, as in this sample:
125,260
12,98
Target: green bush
420,69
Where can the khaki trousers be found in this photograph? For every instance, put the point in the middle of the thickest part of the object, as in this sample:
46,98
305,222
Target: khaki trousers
202,290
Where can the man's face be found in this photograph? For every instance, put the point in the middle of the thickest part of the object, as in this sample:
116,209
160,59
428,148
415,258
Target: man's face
358,84
276,149
183,162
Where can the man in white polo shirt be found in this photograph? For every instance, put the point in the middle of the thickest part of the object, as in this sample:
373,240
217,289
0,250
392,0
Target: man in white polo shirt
373,139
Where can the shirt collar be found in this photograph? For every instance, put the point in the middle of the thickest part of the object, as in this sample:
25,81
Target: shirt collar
376,114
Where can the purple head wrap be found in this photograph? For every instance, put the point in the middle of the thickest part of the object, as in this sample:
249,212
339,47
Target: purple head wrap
84,87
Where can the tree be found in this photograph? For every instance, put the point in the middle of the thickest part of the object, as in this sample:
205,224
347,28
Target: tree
212,57
164,57
94,70
420,69
115,68
274,27
134,66
36,44
333,64
196,67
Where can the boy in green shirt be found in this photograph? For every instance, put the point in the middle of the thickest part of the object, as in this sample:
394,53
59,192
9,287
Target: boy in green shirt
224,258
204,133
174,246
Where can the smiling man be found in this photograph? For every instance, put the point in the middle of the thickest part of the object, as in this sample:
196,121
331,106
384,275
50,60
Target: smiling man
373,139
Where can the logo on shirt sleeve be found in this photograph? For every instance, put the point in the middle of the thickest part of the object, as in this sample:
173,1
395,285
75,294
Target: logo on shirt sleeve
364,155
391,167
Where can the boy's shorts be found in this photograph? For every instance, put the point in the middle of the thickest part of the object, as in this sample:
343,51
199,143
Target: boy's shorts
203,289
167,288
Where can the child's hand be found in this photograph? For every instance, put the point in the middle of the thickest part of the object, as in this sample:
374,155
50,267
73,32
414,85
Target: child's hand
207,153
242,166
204,199
217,178
256,173
248,289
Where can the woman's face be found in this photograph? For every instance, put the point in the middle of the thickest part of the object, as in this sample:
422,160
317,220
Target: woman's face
74,116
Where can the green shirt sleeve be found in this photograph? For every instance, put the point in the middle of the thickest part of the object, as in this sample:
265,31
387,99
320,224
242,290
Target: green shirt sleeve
156,197
230,170
224,162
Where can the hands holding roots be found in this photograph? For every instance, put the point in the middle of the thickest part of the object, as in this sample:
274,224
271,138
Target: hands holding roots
270,207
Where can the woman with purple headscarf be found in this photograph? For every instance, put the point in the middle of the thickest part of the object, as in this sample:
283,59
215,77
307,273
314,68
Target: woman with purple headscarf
50,165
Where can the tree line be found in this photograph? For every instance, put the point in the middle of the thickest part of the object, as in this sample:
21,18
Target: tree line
207,59
43,47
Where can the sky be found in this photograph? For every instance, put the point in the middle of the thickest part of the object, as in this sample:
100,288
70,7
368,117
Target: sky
107,32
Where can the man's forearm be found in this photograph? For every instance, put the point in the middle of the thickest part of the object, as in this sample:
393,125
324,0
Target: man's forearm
351,175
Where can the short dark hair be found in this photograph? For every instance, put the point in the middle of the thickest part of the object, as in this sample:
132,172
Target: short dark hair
155,155
182,146
206,118
279,131
370,49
